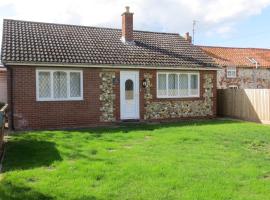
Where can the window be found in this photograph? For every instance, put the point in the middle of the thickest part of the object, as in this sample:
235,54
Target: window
59,85
183,85
162,85
193,84
231,72
177,85
129,92
173,85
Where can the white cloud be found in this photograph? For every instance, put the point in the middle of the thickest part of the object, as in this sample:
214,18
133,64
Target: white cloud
224,29
221,10
218,16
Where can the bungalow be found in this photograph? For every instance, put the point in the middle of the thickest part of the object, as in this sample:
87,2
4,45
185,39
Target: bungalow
66,76
241,67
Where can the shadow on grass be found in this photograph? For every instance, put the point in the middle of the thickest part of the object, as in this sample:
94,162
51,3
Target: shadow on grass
29,153
86,198
129,127
9,191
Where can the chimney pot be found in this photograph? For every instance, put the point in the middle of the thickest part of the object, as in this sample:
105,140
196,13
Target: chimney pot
127,26
188,37
127,9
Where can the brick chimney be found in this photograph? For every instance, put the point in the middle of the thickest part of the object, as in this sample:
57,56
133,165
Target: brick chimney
188,37
127,26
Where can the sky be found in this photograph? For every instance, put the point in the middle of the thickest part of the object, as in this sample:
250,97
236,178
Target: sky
236,23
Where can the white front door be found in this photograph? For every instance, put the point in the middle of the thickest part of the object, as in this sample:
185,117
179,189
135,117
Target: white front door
129,95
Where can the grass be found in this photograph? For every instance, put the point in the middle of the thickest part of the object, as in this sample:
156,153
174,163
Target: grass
206,160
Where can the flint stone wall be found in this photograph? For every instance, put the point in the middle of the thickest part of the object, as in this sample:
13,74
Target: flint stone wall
107,97
246,78
179,108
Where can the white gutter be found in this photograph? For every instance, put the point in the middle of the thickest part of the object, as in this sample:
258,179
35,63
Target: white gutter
112,66
253,61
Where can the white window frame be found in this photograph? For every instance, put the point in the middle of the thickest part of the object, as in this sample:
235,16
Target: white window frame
51,71
178,96
231,69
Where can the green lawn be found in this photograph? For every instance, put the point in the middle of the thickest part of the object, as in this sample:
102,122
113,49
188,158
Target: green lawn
206,160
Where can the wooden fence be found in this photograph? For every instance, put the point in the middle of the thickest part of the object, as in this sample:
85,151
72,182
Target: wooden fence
246,104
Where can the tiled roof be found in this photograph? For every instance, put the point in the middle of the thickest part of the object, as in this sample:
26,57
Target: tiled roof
35,42
227,56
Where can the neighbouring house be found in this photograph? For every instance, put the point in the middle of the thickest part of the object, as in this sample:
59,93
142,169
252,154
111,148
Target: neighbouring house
241,67
3,84
65,76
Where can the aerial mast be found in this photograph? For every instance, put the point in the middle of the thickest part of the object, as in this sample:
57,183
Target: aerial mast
193,30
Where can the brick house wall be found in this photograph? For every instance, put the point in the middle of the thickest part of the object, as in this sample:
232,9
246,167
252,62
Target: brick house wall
245,78
3,85
93,110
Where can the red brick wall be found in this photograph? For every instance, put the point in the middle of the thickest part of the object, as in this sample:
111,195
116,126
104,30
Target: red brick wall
31,114
215,93
3,85
127,26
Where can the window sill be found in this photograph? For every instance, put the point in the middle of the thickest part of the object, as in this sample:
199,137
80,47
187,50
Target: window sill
178,98
54,100
186,97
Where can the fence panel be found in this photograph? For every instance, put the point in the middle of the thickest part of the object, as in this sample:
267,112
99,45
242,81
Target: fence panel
246,104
